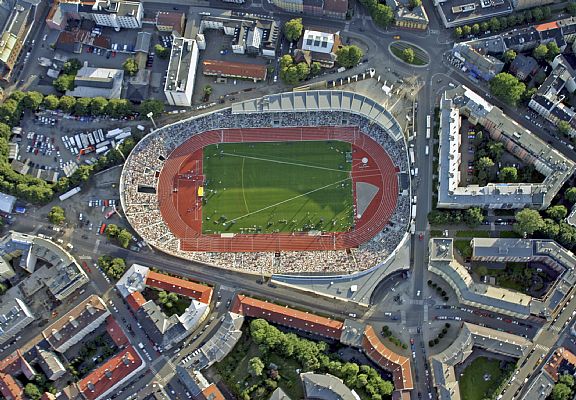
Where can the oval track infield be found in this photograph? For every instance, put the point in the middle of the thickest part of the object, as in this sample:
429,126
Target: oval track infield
182,187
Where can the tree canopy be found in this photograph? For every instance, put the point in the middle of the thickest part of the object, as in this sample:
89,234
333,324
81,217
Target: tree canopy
130,66
408,55
557,212
563,127
570,194
156,107
528,221
348,56
540,52
509,55
293,29
507,88
508,175
57,215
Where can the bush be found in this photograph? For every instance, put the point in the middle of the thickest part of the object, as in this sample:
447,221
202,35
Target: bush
431,343
429,282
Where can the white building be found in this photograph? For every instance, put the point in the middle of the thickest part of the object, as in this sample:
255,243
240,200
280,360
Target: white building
319,42
118,14
14,316
181,72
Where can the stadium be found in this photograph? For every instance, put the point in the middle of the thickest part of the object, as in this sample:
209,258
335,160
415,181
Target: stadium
295,182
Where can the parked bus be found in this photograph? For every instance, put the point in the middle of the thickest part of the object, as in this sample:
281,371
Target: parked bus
428,126
102,229
69,193
411,151
109,214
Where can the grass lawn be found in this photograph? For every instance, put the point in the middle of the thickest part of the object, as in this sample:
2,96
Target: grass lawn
463,247
473,234
277,187
420,58
473,386
435,233
509,234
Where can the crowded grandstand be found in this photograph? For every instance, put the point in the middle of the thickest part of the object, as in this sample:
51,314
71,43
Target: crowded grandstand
148,191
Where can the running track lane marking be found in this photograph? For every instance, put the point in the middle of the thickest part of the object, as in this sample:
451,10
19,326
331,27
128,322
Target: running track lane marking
285,162
243,192
293,198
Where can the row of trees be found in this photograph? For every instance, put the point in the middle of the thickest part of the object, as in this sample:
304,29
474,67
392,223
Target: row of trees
471,217
292,73
531,222
381,14
502,23
114,268
123,236
312,357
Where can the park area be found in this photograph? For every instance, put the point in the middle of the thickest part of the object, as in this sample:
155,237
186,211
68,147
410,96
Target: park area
271,187
482,378
266,358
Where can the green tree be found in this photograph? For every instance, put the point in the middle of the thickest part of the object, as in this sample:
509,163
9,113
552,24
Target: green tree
207,90
550,228
528,221
64,83
82,106
474,216
293,29
67,103
538,14
507,88
458,32
553,50
98,106
124,237
563,127
557,212
57,215
383,15
570,195
112,231
503,23
495,24
156,107
117,108
495,149
571,8
476,29
509,55
290,75
484,26
50,102
508,175
303,70
408,55
161,51
540,52
482,270
315,68
3,288
466,30
71,67
130,66
561,392
567,380
32,392
349,56
512,20
414,3
484,163
117,268
33,100
255,366
5,131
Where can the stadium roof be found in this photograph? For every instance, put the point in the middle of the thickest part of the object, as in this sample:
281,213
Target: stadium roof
323,100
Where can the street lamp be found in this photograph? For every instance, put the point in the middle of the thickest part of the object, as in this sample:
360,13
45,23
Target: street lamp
149,115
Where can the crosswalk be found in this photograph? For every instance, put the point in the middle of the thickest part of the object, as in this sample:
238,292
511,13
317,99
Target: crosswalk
542,348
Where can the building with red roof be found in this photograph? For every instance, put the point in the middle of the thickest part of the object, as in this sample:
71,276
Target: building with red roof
117,370
229,69
286,316
398,365
135,300
182,287
10,388
115,332
562,361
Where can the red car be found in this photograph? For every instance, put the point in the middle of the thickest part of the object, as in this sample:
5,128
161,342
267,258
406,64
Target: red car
421,236
411,340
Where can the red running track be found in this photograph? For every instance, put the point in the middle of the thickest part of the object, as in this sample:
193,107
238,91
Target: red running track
178,210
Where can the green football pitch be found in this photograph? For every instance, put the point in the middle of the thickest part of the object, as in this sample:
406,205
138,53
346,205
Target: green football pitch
277,187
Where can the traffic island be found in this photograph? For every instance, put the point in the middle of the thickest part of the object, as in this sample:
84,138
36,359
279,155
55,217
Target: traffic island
409,53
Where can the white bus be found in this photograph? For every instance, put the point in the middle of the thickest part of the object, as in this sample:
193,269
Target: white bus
411,150
428,126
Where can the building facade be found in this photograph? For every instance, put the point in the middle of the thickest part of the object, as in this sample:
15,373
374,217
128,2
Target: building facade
179,85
